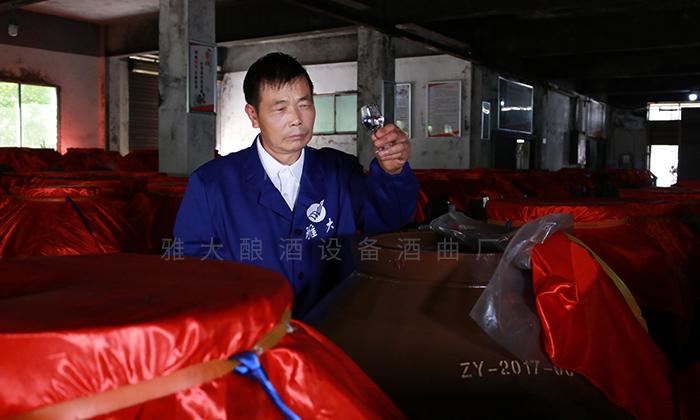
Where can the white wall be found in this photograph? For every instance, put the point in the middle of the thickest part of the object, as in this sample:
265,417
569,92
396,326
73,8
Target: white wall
235,130
78,79
436,152
330,78
237,133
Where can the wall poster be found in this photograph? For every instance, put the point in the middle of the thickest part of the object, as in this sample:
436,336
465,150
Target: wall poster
402,107
201,90
445,108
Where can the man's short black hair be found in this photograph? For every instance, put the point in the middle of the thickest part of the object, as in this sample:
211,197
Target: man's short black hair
275,70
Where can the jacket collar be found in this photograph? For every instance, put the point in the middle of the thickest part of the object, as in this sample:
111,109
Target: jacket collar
311,189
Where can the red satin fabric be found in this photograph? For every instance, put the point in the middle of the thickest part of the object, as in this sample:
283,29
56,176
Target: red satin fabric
578,180
10,180
539,184
113,188
75,175
464,189
588,210
661,193
49,178
39,221
140,160
687,196
26,159
90,159
644,266
22,159
153,212
312,376
678,241
75,326
588,327
644,249
624,178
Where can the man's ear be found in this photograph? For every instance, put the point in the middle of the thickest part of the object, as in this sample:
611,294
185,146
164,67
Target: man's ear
252,114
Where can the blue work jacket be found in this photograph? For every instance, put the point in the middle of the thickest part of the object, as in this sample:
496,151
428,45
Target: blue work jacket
231,210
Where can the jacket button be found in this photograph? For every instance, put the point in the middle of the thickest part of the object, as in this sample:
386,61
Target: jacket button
297,232
300,276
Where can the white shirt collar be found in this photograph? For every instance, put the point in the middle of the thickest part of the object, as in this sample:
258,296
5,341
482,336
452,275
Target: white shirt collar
272,166
273,169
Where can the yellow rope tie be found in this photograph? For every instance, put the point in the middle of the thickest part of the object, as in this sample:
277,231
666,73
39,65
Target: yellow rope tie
617,281
158,387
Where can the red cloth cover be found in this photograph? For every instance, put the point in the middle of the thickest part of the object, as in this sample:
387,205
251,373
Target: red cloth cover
661,193
23,159
140,160
39,221
463,188
113,188
678,241
88,159
538,184
588,327
589,210
579,181
625,178
626,235
153,213
10,180
76,326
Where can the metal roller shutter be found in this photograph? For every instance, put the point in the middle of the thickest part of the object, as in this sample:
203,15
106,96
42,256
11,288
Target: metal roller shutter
143,111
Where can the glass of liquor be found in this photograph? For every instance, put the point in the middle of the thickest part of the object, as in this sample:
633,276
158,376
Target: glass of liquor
372,119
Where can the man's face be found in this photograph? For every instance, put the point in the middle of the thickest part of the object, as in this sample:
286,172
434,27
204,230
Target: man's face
285,118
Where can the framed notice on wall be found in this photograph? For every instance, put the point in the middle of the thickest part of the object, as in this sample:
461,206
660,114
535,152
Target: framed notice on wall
445,108
402,107
201,89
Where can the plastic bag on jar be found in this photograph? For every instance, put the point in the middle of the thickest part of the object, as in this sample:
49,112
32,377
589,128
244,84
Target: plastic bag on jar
506,309
476,235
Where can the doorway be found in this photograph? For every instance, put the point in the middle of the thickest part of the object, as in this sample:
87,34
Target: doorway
663,163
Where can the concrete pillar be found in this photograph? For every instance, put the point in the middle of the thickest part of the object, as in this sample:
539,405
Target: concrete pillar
186,140
102,89
484,89
689,149
118,104
538,151
375,83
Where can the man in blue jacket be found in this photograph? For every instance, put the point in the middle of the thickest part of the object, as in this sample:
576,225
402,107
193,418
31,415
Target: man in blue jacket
288,207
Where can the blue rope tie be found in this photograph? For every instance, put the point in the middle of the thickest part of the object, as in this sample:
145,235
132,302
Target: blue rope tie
250,366
80,213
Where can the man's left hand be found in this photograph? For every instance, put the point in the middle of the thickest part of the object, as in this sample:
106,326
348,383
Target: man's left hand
393,149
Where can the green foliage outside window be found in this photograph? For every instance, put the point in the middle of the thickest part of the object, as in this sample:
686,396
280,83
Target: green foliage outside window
28,116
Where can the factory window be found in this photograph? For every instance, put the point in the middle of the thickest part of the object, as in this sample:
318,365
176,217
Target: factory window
28,115
664,112
669,111
336,113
